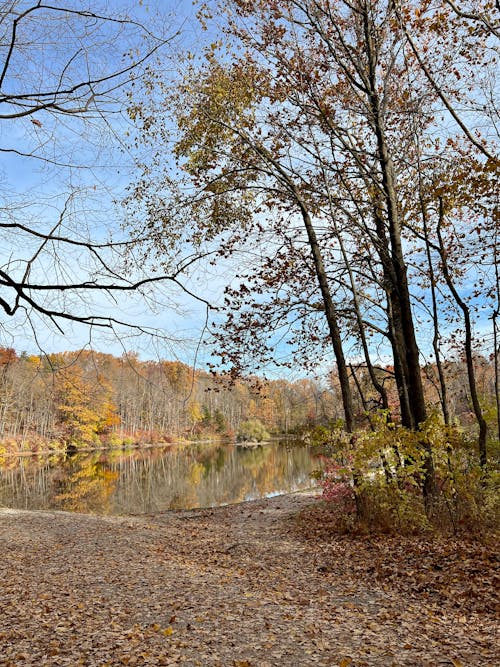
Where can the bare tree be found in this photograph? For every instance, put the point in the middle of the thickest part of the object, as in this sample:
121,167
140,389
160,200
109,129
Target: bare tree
66,71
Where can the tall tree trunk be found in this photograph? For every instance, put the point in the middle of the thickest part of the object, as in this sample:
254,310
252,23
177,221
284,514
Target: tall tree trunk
496,348
443,393
400,306
399,292
331,317
378,386
393,317
401,311
330,310
476,405
496,354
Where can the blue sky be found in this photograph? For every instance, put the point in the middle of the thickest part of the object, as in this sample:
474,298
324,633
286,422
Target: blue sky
87,159
34,192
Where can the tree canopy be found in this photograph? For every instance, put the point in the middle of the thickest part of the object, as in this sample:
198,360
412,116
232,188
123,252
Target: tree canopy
346,154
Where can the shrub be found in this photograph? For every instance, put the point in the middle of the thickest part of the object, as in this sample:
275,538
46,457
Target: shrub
373,480
252,430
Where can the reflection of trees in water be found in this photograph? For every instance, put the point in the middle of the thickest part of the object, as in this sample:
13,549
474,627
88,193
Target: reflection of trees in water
89,488
154,480
83,483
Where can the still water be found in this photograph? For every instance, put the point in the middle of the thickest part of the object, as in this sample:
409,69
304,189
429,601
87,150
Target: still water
154,480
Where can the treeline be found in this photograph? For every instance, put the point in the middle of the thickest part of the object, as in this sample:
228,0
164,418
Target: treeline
90,398
73,399
452,373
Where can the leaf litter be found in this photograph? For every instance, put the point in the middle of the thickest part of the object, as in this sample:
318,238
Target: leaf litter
260,584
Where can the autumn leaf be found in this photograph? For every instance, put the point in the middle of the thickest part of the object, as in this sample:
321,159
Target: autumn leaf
345,662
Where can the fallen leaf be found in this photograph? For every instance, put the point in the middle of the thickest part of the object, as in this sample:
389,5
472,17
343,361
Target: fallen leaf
345,662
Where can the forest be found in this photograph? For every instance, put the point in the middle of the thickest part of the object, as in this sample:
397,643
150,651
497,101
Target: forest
81,399
266,235
318,179
84,399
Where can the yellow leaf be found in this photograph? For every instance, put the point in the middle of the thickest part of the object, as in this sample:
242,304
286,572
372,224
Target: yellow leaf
168,631
345,662
456,663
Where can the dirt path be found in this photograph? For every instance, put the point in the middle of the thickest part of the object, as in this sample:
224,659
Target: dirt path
231,587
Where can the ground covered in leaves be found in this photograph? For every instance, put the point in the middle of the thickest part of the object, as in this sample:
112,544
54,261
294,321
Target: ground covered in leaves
259,584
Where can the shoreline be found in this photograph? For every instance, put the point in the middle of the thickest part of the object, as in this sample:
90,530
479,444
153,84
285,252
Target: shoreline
134,447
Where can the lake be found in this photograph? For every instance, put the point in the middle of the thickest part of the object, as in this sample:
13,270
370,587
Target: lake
155,479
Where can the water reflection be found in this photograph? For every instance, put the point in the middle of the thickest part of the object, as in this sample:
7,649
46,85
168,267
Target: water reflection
152,480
